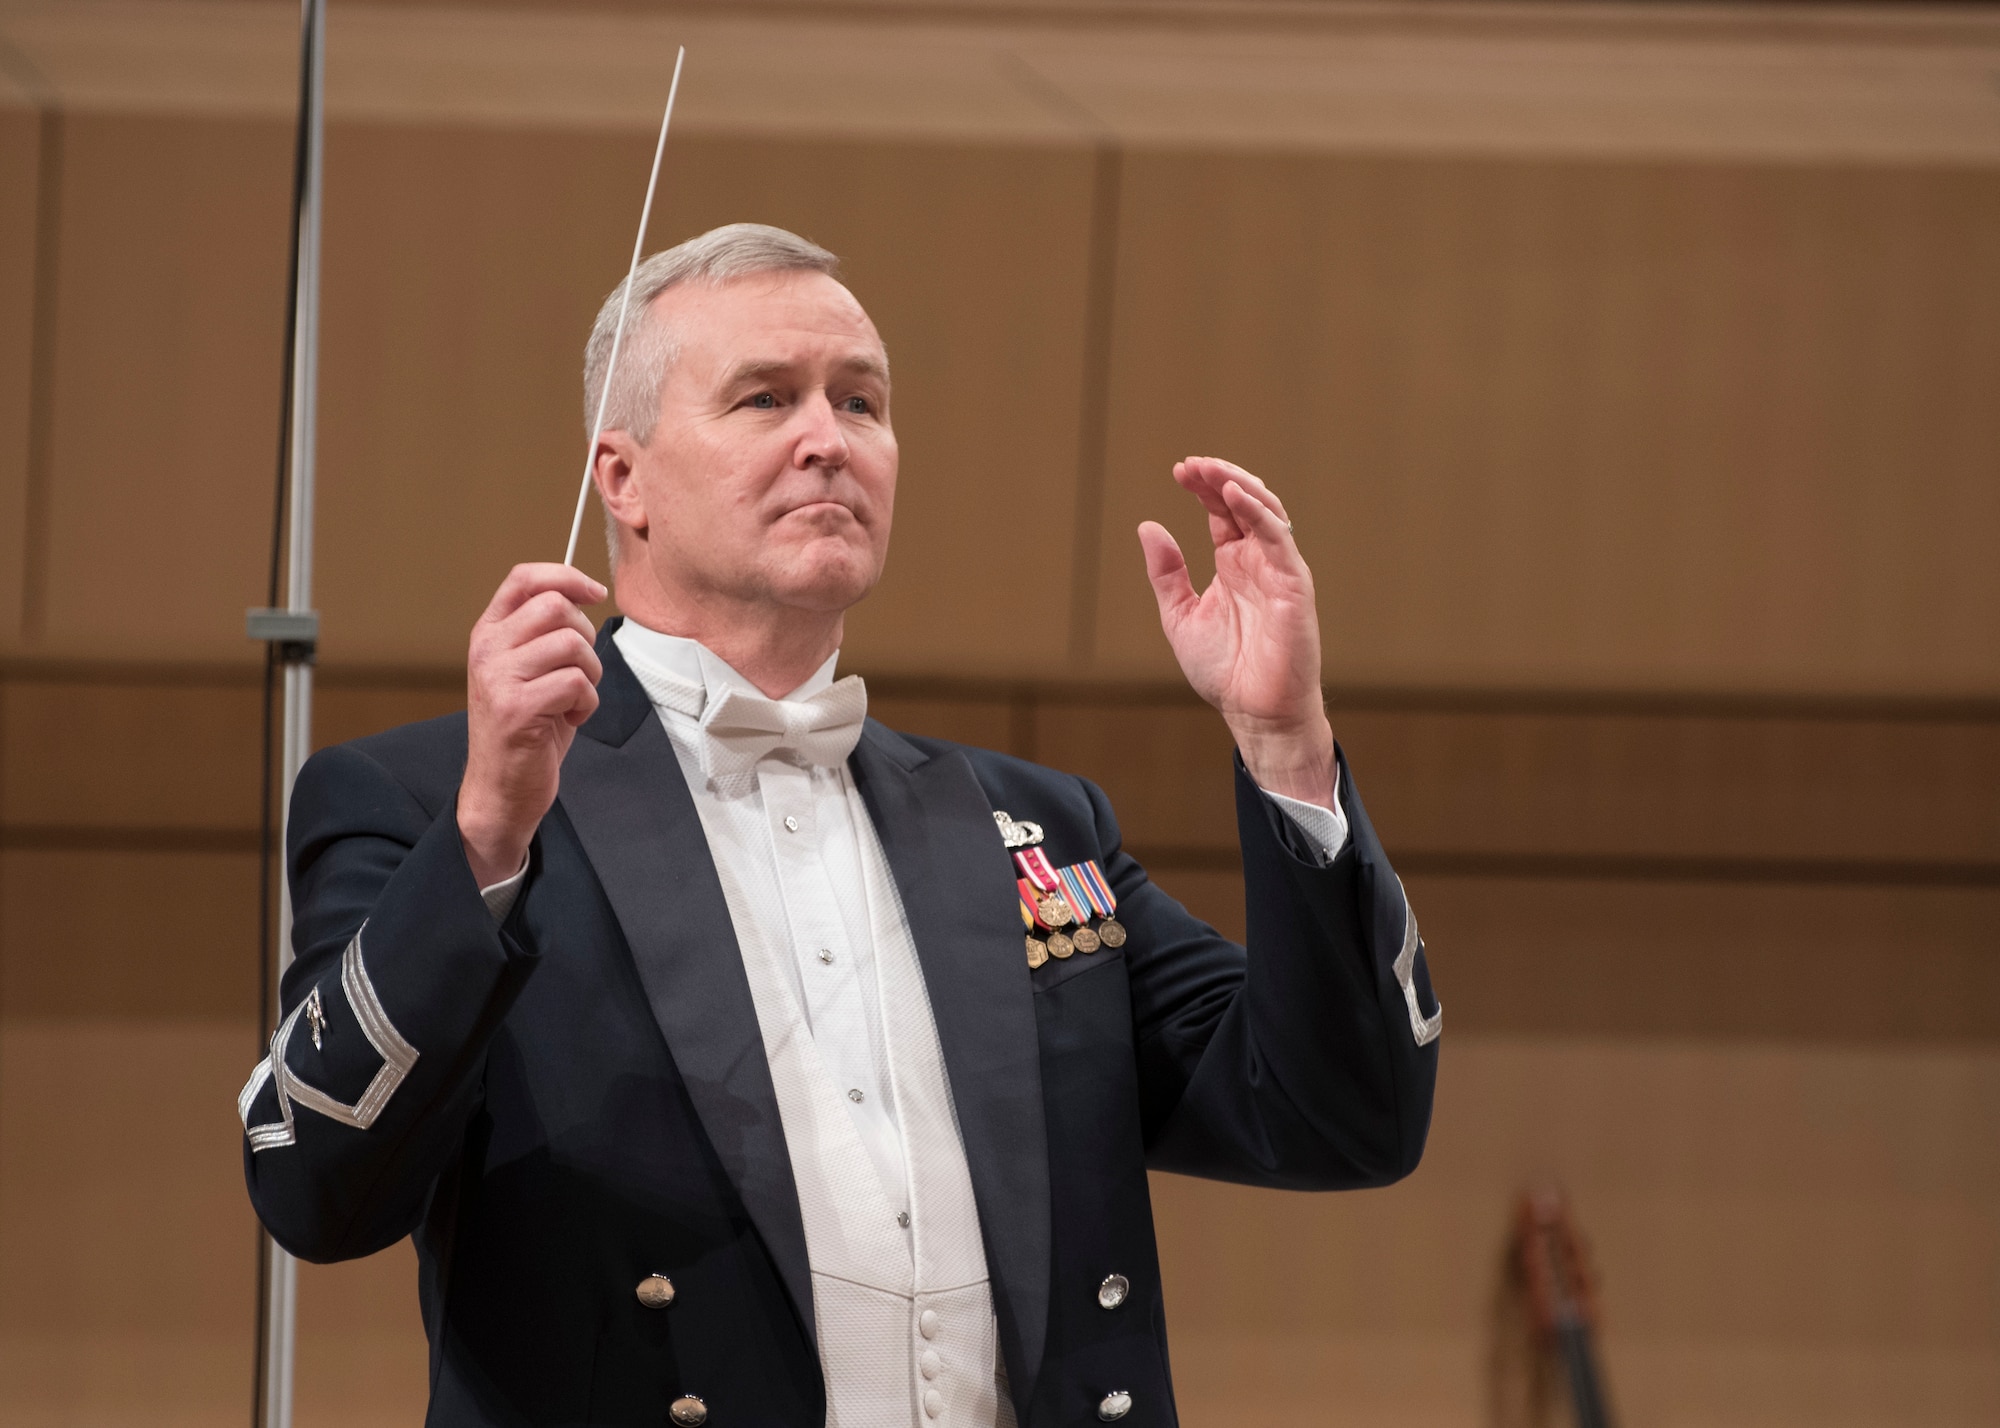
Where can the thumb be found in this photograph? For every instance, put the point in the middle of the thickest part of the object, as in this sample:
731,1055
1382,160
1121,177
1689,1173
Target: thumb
1167,568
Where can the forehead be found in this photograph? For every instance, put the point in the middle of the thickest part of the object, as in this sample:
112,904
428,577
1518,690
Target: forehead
784,316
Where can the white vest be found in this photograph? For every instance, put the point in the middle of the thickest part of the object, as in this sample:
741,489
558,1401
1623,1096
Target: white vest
904,1314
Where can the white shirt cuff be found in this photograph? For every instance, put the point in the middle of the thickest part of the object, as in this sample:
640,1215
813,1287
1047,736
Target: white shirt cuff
500,896
1322,827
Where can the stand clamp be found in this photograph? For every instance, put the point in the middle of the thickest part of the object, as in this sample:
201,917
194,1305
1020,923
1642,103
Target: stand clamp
294,632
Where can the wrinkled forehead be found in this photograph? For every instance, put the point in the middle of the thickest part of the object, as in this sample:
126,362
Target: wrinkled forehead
770,318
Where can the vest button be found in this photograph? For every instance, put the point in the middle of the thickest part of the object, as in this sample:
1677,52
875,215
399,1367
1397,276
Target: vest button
656,1291
688,1412
933,1403
927,1323
930,1365
1114,1405
1113,1291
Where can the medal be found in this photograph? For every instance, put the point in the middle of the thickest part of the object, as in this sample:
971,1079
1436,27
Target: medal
1038,952
1047,884
1061,896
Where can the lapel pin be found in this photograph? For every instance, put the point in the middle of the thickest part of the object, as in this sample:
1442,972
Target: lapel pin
1017,835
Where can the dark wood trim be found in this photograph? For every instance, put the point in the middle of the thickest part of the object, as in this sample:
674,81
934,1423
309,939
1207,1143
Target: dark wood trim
1218,858
1029,694
78,838
1622,867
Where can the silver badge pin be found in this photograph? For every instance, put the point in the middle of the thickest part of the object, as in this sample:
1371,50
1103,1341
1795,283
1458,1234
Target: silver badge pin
1017,835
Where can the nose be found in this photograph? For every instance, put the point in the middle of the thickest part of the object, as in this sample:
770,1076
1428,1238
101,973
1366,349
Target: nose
821,442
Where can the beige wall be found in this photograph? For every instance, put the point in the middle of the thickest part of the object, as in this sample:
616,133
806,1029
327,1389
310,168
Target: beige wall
1629,374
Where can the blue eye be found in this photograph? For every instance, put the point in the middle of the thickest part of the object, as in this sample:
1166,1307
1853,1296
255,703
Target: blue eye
857,405
764,401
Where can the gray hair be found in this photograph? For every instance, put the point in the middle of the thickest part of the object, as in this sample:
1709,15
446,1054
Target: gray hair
649,347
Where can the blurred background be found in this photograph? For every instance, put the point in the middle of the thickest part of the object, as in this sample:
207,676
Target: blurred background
1633,373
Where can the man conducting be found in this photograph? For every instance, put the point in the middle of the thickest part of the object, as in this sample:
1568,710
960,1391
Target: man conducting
736,1060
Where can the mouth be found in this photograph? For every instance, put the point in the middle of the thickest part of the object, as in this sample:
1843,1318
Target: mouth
817,511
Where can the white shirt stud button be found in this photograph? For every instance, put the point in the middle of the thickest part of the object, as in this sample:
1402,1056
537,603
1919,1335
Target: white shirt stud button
927,1323
826,955
933,1403
791,824
1114,1405
1112,1292
903,1218
930,1364
856,1096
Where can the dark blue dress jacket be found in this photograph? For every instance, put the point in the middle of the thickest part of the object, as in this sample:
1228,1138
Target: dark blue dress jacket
577,1098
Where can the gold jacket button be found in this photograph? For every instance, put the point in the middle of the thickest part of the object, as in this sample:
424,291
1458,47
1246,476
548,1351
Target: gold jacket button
656,1291
689,1412
1114,1405
1113,1291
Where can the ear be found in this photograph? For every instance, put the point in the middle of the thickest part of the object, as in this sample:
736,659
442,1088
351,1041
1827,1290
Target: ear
615,469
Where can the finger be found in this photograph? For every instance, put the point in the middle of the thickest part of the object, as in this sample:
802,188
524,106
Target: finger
524,582
1217,473
564,694
1222,526
1194,480
1167,569
579,713
549,610
1260,520
558,649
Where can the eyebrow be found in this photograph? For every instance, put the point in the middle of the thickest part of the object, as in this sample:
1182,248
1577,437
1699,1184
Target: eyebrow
756,368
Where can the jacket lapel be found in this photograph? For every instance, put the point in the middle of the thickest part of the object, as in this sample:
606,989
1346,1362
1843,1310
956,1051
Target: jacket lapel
936,827
624,793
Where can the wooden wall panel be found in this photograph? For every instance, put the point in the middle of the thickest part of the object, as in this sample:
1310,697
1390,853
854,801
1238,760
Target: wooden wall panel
152,935
119,1159
20,171
1611,425
83,753
1749,961
167,381
1702,792
1773,962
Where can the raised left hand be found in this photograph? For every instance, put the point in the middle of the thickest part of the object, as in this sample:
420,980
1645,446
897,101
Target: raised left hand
1249,643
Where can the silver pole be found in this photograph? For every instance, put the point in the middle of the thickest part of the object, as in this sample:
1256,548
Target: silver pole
281,1322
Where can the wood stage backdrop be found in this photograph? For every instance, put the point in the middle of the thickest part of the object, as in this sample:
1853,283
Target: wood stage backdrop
1632,374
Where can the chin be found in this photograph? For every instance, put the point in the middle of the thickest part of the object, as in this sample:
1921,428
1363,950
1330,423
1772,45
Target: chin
829,584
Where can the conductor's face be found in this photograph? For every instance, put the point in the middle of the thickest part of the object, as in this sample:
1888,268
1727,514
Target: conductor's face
770,476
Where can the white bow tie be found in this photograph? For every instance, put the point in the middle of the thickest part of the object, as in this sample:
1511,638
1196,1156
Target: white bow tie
742,726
